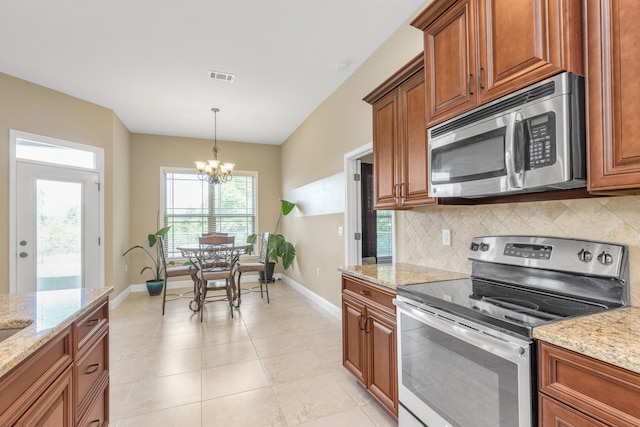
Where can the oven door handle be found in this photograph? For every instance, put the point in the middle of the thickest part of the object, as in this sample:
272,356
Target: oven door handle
446,323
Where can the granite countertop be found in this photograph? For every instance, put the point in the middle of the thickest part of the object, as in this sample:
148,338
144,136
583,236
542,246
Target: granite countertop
612,336
43,315
392,275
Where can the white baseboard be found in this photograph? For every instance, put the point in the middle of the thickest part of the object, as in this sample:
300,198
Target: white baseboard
317,299
113,303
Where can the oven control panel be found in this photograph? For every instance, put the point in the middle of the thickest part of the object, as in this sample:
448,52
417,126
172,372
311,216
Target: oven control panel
551,253
524,250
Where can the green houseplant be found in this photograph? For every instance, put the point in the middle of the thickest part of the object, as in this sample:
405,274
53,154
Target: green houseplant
154,286
278,248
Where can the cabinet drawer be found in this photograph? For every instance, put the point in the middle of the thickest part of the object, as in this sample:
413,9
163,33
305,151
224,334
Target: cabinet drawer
553,413
90,367
90,324
369,292
98,414
598,389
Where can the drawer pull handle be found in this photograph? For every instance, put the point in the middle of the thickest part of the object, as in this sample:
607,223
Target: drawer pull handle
93,322
92,369
98,423
366,293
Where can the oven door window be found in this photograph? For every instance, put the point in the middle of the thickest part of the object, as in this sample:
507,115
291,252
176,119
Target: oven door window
463,384
478,157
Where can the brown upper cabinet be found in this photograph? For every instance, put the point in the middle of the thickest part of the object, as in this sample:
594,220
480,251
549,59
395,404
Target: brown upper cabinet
400,153
479,50
613,123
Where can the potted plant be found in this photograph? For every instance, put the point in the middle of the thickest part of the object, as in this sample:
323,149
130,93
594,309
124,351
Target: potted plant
277,247
154,286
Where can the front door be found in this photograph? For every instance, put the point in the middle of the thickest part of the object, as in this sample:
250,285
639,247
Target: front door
57,228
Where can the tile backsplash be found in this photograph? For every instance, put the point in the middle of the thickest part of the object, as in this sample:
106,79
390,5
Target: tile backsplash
609,219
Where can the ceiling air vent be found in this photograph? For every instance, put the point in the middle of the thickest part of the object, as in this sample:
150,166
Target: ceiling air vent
217,75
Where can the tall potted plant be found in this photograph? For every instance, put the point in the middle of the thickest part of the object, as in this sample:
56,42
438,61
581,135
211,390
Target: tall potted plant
278,248
154,286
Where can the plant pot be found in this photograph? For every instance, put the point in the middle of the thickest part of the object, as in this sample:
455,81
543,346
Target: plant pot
267,275
154,287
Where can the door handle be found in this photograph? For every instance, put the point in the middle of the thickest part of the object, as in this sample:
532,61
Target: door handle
469,77
23,254
514,176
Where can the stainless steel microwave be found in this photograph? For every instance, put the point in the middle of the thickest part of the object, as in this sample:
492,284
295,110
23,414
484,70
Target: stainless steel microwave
531,140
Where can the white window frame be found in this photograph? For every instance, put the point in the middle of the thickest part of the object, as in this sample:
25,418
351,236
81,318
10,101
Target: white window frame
166,169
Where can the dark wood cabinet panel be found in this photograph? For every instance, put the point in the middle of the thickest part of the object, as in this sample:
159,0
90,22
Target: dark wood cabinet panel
554,414
414,189
369,339
353,340
613,105
603,393
479,50
450,63
386,151
400,152
381,334
54,408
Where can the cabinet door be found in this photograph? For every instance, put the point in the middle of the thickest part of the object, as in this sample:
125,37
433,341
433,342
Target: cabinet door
553,414
612,90
414,189
353,337
54,408
450,63
381,349
520,43
386,151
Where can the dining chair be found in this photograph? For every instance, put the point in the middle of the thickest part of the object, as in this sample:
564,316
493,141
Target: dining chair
177,271
216,270
252,267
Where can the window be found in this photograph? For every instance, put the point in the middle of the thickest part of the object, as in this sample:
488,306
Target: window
193,207
384,234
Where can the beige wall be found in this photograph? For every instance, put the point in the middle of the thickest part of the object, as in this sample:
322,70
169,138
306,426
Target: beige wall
31,108
119,217
343,122
149,153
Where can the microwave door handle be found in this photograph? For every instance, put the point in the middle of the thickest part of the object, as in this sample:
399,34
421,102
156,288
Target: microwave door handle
512,153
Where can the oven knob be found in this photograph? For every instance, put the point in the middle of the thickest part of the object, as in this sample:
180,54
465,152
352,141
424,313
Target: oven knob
585,256
474,246
605,258
484,247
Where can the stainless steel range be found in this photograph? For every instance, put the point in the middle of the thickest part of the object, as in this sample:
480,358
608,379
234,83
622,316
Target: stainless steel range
466,353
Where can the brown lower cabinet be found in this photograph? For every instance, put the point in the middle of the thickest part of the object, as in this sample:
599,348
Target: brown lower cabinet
576,390
369,339
65,383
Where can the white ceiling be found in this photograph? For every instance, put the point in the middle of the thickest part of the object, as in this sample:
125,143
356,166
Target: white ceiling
148,60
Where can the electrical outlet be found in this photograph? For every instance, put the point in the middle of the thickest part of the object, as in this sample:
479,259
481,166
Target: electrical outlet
318,272
446,237
340,231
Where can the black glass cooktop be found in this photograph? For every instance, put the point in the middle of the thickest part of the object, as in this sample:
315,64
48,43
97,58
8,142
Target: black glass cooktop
508,308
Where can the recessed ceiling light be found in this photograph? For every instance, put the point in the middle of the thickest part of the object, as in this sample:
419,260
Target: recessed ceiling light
217,75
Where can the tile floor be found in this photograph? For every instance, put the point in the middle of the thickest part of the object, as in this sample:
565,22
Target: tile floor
277,364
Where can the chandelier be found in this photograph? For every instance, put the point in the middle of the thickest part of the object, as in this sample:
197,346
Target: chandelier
214,171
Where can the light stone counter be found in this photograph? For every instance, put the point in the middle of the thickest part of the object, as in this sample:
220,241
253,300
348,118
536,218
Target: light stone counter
393,275
45,314
612,336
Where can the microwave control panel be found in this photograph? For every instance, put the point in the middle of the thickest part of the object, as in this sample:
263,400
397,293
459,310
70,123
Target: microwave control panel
540,134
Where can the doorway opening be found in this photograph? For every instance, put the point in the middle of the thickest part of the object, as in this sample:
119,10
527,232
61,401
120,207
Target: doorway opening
369,233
